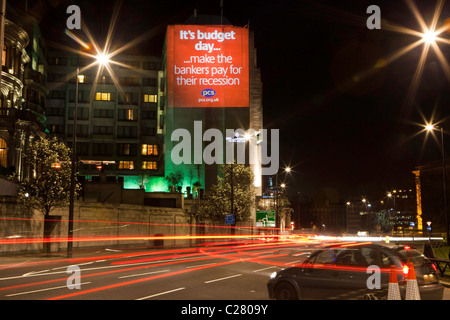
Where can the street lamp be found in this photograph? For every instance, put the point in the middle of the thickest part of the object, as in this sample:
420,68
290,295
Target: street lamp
102,59
286,170
429,128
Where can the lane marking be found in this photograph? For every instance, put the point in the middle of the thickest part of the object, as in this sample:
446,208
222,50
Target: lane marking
200,265
161,293
265,269
40,290
220,279
142,274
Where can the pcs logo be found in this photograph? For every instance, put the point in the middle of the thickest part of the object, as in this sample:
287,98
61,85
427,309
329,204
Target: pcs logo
208,93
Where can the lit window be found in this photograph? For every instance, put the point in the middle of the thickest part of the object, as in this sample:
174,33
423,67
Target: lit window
129,114
149,150
103,96
4,55
150,98
149,165
81,78
126,165
3,153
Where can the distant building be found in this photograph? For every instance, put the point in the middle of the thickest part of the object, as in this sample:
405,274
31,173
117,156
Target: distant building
324,212
430,185
398,206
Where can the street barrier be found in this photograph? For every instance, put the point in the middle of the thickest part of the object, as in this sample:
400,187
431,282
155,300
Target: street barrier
394,289
412,288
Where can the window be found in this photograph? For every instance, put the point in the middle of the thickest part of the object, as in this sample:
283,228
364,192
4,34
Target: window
148,131
105,80
126,149
56,77
149,149
149,165
150,98
148,65
151,82
56,94
102,149
127,115
149,115
83,96
4,55
129,64
56,128
57,61
55,112
82,130
104,96
3,153
128,98
81,78
126,165
103,113
82,113
103,130
126,132
129,81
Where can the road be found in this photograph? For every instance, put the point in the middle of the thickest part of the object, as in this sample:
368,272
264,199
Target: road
235,271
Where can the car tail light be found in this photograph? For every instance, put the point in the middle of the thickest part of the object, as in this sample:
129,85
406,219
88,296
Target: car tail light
434,267
406,247
405,270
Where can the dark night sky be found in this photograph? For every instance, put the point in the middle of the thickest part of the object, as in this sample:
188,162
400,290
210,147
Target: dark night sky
356,139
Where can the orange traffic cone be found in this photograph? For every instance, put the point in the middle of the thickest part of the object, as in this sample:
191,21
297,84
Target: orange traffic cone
393,290
412,288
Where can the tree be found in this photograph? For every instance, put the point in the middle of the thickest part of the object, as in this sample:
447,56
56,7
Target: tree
174,179
383,219
47,184
236,177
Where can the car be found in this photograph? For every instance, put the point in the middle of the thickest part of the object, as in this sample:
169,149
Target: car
343,272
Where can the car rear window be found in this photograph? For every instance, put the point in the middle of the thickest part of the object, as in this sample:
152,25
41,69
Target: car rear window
412,255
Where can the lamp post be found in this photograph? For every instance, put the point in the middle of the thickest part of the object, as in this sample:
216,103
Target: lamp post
277,216
102,60
429,128
72,173
390,195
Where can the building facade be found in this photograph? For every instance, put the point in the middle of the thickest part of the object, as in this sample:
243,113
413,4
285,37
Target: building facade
222,118
120,117
431,200
22,99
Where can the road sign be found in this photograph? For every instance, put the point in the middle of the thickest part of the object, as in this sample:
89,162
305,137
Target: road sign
429,229
265,218
229,219
412,224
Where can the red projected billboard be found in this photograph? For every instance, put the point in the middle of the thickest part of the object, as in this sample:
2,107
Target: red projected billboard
207,66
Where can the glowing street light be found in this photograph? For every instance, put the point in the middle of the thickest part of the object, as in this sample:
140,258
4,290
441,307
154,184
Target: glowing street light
429,127
430,36
102,59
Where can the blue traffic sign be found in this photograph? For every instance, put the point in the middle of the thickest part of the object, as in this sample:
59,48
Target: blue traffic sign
229,219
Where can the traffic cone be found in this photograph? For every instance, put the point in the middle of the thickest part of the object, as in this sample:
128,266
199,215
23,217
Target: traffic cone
412,288
394,289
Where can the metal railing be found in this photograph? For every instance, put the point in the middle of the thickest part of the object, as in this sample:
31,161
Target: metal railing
442,266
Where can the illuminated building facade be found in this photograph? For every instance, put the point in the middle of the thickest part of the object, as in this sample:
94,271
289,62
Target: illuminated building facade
119,128
23,91
429,185
184,114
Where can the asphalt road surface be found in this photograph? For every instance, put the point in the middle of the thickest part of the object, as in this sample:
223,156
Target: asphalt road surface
229,271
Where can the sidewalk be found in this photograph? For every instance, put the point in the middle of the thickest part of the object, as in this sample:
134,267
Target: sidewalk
445,282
